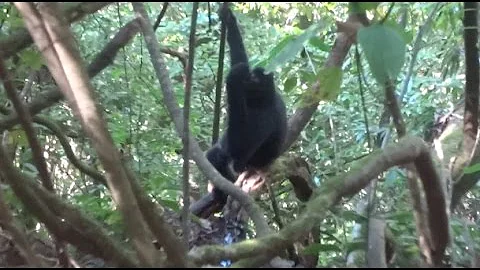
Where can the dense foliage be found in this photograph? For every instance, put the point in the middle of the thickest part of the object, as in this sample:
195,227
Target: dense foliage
425,58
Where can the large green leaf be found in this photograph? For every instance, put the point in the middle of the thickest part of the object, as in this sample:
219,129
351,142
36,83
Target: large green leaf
292,47
330,80
384,49
472,169
275,51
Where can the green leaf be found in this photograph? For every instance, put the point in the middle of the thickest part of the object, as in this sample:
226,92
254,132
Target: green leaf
368,5
330,80
407,36
472,169
18,136
358,7
293,47
275,51
289,84
384,49
16,22
319,44
32,59
316,248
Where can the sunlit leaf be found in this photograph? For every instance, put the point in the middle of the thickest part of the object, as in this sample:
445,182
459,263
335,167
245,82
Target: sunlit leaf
18,136
293,47
330,81
275,51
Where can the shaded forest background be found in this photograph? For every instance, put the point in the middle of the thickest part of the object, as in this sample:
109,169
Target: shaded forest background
380,167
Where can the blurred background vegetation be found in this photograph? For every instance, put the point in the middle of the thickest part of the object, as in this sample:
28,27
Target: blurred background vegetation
336,135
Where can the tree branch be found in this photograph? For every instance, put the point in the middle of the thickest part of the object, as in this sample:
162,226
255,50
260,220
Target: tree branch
186,127
20,39
45,26
219,85
26,122
160,16
302,116
464,182
391,103
9,224
61,219
470,117
176,114
82,167
101,61
37,151
408,149
417,47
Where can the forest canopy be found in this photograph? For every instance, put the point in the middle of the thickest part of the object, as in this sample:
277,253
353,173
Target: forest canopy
108,112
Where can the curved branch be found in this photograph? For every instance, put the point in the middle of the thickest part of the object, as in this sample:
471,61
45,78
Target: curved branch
26,123
56,42
160,16
57,131
183,57
10,224
21,39
342,44
340,187
177,116
103,59
87,235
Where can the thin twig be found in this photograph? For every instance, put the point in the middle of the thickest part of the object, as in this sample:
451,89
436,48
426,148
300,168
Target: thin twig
362,95
416,48
160,16
218,86
175,112
186,127
388,13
